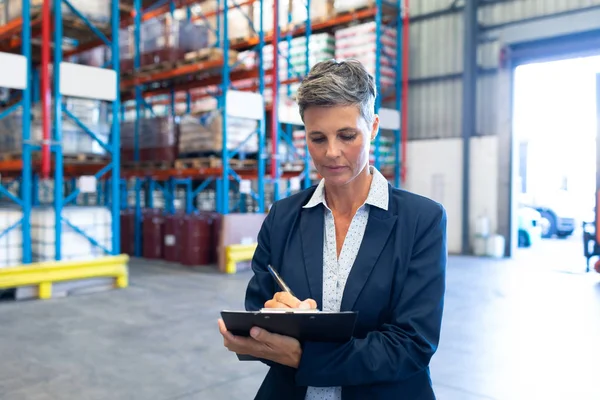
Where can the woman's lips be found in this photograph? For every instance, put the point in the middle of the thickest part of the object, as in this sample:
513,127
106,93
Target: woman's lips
335,168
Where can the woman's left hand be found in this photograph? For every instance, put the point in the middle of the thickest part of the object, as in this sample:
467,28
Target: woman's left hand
281,349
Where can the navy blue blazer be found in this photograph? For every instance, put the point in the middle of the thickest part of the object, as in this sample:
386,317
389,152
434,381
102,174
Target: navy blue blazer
396,284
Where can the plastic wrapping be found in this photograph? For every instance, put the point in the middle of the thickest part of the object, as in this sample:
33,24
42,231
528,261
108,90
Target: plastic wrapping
95,10
96,222
11,243
360,42
75,141
158,139
167,39
204,133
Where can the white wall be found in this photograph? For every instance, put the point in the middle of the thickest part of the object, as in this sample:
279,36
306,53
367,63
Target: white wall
434,170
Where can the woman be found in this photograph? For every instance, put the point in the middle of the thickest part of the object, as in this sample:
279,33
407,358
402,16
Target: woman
351,243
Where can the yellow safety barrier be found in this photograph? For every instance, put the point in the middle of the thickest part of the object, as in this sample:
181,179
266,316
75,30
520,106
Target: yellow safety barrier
45,273
235,253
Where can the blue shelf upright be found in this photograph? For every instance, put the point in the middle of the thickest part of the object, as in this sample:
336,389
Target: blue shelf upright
24,200
112,170
385,8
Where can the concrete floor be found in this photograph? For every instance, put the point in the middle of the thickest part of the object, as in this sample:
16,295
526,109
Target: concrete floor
510,332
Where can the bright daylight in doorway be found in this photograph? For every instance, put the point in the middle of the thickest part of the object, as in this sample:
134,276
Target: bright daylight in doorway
555,132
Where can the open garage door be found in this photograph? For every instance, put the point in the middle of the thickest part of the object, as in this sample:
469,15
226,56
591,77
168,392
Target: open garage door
591,236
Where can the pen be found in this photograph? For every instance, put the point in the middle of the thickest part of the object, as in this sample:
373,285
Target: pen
280,281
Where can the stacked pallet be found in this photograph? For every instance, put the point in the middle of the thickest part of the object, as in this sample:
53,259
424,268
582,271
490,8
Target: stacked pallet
203,133
386,152
96,222
292,59
360,42
11,243
157,141
75,141
97,11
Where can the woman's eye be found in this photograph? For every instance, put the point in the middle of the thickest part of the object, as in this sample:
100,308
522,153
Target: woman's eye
318,140
348,138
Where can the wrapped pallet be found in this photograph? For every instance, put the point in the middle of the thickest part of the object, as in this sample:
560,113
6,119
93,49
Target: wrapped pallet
342,6
94,221
204,133
360,42
97,11
11,243
166,39
75,141
319,10
157,140
267,13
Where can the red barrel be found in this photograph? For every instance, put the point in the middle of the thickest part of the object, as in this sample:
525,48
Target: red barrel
215,235
153,234
128,231
172,240
196,240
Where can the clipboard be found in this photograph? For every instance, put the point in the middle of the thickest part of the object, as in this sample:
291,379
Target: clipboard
303,325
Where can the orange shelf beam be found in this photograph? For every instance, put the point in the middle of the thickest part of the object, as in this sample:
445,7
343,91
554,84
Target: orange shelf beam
165,174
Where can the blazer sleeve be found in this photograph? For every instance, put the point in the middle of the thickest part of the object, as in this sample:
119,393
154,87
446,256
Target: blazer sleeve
261,286
405,345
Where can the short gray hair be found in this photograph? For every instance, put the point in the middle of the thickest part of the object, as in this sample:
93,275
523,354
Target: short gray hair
331,83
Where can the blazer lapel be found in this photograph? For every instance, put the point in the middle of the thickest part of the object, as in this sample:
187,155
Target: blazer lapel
311,233
376,235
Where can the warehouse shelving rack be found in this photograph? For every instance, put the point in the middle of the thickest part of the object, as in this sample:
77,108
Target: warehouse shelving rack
224,75
18,33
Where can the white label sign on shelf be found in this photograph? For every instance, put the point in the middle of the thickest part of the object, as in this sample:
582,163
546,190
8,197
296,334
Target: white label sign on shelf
88,82
295,183
245,186
87,184
245,104
389,119
289,112
13,71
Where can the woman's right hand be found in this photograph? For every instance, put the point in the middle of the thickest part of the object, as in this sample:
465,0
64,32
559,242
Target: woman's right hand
286,300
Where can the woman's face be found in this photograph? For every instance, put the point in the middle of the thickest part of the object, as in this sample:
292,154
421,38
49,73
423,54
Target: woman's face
338,141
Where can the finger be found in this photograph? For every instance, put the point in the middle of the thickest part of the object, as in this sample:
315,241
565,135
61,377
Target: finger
308,304
260,335
275,304
287,299
222,327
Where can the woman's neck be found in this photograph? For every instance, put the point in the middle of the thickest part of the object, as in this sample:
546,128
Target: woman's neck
348,198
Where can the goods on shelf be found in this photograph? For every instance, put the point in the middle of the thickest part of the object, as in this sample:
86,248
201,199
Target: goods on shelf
97,11
75,141
319,10
203,133
11,243
157,140
166,39
386,151
268,15
360,42
94,221
126,48
341,6
96,57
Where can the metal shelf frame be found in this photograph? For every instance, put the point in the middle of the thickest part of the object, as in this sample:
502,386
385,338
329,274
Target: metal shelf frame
34,173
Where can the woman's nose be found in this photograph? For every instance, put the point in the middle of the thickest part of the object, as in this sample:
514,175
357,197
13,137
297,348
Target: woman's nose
333,151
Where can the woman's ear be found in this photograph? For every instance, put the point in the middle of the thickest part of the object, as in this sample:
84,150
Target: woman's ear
375,127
